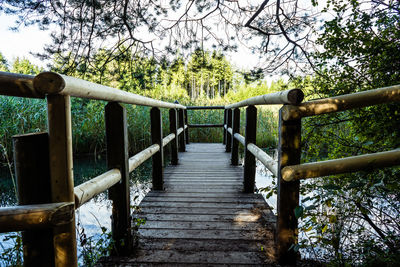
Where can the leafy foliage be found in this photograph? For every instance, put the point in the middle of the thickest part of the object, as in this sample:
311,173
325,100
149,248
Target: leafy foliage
353,219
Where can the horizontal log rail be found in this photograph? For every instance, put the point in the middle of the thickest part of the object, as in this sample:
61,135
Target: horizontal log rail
57,89
240,138
264,158
87,190
12,84
205,125
337,166
168,139
342,103
33,217
293,96
204,107
142,156
288,168
49,83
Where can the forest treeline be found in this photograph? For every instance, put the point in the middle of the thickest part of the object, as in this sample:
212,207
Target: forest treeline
205,78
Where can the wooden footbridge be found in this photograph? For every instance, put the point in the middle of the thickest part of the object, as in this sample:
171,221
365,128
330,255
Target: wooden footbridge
202,216
202,209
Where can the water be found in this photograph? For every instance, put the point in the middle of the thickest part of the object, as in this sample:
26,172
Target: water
93,218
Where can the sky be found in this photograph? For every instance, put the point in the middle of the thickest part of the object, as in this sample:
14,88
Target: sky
31,39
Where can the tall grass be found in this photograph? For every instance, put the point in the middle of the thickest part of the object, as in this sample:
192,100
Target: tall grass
21,115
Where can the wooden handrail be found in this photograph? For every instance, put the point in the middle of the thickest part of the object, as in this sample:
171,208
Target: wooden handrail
240,138
293,96
12,84
55,83
270,163
87,190
142,156
38,216
344,165
205,125
204,107
342,102
168,139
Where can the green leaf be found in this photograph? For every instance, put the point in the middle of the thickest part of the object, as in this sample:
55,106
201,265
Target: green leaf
308,229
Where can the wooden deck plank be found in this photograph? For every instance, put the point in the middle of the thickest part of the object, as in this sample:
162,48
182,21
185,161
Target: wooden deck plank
243,217
204,245
197,257
202,217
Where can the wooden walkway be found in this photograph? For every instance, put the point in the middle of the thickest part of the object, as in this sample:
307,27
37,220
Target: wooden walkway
202,218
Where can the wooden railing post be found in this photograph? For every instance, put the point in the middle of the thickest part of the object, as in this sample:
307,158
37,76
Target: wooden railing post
31,158
228,140
235,143
225,120
182,147
117,158
187,129
288,192
158,158
61,173
173,128
249,159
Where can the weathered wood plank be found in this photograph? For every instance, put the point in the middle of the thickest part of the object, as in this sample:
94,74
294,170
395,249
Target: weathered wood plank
178,225
203,217
215,205
202,199
205,194
204,245
241,217
203,233
192,210
198,257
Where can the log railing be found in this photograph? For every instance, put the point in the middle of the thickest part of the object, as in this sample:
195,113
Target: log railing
288,169
47,196
202,125
46,193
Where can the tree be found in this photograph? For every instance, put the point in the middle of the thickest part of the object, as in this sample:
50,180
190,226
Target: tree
3,63
354,218
24,66
284,28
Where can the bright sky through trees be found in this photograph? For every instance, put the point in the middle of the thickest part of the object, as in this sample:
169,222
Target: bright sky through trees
31,39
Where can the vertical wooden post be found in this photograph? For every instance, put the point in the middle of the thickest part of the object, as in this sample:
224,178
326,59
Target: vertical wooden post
158,158
31,158
288,192
173,128
182,147
235,143
187,129
117,158
249,159
225,120
228,135
62,179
